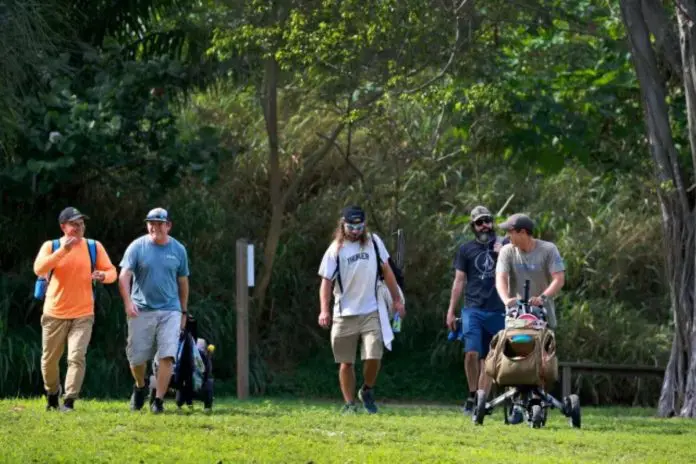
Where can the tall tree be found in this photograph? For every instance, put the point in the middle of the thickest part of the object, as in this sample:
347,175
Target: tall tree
674,173
344,54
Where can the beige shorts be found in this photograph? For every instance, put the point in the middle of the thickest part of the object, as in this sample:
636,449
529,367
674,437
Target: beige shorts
347,330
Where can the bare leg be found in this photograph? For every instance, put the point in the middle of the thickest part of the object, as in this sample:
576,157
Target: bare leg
484,382
164,374
370,371
471,367
346,378
139,375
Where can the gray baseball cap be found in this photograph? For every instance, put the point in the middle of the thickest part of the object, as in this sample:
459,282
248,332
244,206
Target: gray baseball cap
157,215
479,212
518,221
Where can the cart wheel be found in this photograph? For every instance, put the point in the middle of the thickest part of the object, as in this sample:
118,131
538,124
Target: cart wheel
179,399
573,410
480,408
207,393
537,417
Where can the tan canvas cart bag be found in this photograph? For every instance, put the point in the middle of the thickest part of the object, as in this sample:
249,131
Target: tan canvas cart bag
531,361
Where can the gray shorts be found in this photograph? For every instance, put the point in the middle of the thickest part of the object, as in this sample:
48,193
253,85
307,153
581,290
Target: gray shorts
153,332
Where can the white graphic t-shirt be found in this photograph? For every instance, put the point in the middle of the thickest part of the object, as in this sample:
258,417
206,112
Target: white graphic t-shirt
358,275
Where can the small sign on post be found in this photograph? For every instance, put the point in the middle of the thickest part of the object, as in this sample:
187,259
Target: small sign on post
242,298
250,265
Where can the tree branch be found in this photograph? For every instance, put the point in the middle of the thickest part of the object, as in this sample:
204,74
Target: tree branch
346,157
364,184
442,71
312,160
687,9
437,133
461,5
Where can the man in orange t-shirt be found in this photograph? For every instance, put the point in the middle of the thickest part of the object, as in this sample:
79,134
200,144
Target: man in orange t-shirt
68,311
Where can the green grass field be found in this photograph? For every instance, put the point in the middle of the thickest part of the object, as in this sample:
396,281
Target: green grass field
301,432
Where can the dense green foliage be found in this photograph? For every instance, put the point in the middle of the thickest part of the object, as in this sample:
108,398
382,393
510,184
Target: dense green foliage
535,105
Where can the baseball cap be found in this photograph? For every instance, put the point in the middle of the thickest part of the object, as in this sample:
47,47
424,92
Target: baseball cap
353,214
70,214
479,212
518,221
157,215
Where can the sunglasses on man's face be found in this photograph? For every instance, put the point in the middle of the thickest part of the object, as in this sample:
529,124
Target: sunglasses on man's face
359,227
482,221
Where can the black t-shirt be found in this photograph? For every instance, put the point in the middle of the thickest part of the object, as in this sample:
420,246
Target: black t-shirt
478,262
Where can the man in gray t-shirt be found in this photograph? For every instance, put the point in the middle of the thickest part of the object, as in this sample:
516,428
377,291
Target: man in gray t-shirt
527,258
154,287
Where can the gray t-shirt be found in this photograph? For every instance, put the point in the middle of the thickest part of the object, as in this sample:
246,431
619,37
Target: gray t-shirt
535,266
156,269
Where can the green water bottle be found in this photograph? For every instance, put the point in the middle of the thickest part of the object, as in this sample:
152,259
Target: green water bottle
396,323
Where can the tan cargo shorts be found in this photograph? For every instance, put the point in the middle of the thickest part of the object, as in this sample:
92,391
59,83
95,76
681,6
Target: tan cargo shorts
347,330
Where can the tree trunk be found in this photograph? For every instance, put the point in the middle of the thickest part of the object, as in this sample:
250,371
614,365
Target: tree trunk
686,14
279,199
687,39
278,210
270,113
677,216
665,32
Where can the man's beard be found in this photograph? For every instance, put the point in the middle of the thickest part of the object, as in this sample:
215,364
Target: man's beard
484,236
353,237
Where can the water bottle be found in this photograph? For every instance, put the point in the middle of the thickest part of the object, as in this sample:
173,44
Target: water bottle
396,323
40,288
455,334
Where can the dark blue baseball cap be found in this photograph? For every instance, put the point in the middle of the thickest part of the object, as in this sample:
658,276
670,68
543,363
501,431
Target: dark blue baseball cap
70,214
353,214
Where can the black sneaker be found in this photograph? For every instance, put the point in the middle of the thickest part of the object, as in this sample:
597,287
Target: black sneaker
52,401
138,398
349,409
157,406
368,400
68,405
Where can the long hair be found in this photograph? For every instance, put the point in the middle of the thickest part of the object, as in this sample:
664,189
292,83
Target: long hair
339,234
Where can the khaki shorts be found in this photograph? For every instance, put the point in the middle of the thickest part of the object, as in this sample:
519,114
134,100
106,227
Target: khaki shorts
153,332
347,330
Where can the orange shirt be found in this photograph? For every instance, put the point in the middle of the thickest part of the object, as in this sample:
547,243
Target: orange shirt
69,293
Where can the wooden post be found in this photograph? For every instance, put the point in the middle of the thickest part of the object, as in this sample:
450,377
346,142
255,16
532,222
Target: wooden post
242,321
566,381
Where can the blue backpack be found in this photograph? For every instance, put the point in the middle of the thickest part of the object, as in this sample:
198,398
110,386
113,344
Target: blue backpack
42,282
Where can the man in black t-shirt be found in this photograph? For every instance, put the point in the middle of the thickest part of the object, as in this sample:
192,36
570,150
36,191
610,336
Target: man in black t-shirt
483,314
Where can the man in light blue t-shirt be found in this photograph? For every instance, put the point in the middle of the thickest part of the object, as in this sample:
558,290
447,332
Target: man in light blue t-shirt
154,287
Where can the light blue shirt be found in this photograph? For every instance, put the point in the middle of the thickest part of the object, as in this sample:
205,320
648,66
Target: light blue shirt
156,269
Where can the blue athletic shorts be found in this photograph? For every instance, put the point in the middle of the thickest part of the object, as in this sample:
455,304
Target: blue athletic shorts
479,327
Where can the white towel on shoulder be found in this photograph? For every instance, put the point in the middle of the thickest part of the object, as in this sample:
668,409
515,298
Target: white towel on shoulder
385,308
